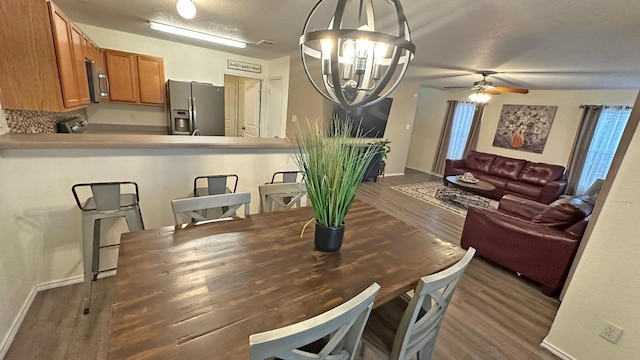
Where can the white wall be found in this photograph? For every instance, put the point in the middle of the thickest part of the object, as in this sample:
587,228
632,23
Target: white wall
40,237
181,62
606,284
432,106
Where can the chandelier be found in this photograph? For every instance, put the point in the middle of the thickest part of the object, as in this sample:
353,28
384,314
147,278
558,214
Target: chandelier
359,63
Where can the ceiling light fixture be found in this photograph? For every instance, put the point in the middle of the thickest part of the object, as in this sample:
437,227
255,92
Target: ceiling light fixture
196,35
480,97
186,9
358,63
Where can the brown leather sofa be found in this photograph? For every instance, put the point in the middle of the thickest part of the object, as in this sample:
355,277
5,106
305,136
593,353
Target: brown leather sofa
540,182
536,240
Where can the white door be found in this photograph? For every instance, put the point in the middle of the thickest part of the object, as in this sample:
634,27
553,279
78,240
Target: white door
230,108
274,108
252,91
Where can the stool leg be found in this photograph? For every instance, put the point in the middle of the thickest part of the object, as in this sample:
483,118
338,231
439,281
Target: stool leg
95,264
134,220
87,259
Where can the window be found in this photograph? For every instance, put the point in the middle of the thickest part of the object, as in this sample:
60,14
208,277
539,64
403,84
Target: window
606,138
462,117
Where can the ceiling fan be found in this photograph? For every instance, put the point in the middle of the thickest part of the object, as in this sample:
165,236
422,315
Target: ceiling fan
484,88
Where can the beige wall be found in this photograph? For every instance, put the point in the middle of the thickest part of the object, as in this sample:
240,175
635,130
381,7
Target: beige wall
304,101
4,128
400,125
606,284
181,62
40,237
432,105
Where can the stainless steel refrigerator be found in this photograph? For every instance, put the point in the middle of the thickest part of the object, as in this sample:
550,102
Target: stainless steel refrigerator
195,108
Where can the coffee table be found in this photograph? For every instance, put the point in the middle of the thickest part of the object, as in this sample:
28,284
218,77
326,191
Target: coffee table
463,194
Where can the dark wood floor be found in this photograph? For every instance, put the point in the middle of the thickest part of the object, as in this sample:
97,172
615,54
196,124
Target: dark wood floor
494,314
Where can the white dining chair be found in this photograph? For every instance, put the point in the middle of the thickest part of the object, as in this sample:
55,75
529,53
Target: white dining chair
281,196
191,206
404,327
341,327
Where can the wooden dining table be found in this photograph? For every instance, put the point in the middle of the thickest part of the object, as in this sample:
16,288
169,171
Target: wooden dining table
199,291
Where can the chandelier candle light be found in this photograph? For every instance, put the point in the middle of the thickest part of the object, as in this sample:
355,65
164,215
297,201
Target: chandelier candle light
358,64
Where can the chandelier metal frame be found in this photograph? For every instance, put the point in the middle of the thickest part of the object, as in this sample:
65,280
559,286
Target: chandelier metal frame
358,80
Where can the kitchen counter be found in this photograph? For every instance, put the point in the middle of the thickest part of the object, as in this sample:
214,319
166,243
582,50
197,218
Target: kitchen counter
129,141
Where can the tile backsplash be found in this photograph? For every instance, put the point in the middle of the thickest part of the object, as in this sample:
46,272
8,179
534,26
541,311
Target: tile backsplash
31,122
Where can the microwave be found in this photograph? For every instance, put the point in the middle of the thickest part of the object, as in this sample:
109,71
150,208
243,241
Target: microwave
98,83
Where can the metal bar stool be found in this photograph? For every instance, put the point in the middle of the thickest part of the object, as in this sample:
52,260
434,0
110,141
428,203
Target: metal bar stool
107,202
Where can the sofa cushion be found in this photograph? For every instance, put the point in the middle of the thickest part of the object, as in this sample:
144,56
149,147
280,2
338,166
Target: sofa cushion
496,181
565,212
479,161
540,174
507,167
519,187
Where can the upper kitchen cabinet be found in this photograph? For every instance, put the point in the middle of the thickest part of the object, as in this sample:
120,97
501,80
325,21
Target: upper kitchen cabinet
42,62
135,78
151,79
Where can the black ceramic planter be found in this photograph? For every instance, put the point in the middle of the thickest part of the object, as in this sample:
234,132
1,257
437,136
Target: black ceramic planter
328,239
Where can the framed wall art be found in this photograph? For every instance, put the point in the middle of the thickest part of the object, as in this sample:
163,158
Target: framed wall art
524,127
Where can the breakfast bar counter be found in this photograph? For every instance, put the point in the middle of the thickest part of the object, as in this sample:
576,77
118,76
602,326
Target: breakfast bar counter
129,141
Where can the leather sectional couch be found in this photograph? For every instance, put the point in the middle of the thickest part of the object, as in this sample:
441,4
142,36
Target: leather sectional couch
539,182
536,240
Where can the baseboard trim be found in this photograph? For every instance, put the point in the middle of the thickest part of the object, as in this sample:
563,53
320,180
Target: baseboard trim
556,351
425,171
394,174
17,322
13,330
58,283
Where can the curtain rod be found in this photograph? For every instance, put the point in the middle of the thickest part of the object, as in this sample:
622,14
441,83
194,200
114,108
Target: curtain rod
626,107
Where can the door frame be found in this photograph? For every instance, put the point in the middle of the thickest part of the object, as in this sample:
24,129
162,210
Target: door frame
263,102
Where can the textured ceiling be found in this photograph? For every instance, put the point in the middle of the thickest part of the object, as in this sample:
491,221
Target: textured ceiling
543,44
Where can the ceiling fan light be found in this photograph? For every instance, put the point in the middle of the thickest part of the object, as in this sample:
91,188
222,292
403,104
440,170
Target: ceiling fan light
186,9
480,97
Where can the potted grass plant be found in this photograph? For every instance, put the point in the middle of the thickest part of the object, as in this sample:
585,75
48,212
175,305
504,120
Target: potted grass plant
333,166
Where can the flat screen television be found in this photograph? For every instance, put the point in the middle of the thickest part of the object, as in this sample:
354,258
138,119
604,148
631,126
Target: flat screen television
372,119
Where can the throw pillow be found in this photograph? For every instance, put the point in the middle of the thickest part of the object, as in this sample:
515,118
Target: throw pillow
563,213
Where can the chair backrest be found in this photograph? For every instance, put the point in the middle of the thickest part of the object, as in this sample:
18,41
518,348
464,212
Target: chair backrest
106,196
190,206
287,176
432,296
281,196
344,324
215,184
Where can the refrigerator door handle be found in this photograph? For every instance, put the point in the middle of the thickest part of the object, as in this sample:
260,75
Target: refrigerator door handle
190,113
195,122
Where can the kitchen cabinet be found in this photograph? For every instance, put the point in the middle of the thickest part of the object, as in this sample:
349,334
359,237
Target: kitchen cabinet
70,52
42,61
135,78
79,64
121,71
65,56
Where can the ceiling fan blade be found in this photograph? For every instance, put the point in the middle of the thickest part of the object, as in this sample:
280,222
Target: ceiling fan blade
457,88
511,90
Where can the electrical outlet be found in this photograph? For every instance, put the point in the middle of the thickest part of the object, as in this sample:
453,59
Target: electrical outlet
611,332
294,119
